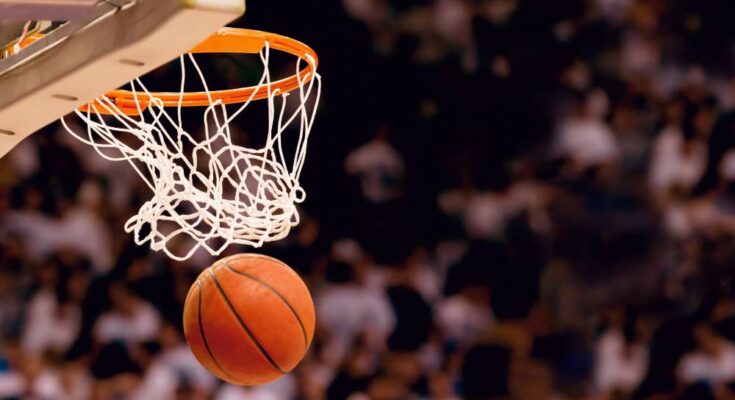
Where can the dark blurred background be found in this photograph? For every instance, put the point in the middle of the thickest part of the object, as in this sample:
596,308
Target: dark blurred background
517,200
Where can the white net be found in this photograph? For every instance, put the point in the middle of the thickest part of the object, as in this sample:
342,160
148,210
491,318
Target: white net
205,187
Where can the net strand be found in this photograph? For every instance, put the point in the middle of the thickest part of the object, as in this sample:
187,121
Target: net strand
211,191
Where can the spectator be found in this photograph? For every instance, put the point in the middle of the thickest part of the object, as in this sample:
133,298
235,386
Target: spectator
54,315
621,358
379,167
131,320
585,138
713,361
174,370
465,315
348,309
679,154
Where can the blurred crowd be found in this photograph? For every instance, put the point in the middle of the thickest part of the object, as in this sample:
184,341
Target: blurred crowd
508,200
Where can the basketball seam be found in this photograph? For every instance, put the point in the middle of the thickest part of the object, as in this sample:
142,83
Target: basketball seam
244,325
261,256
280,296
204,337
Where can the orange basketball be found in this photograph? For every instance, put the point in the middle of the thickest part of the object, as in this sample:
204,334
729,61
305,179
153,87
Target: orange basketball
249,319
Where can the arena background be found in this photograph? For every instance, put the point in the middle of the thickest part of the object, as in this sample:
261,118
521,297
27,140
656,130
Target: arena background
527,200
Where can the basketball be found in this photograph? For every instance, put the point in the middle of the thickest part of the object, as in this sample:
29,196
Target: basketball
249,319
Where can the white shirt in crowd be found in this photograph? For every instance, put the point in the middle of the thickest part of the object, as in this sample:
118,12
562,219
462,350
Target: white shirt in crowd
672,165
346,311
461,319
47,384
376,162
12,385
283,388
141,326
80,229
616,368
486,215
711,368
162,379
588,142
47,327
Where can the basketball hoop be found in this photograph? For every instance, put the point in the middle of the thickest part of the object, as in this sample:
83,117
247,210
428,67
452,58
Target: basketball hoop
209,189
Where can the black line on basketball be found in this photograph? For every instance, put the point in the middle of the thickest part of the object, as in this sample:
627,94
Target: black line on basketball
243,325
280,296
204,337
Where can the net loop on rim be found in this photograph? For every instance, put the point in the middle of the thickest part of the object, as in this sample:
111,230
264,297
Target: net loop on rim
206,188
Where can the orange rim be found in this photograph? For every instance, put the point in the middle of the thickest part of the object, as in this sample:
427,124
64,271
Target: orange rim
226,40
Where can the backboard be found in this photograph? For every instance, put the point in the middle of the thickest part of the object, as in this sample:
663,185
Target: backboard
106,44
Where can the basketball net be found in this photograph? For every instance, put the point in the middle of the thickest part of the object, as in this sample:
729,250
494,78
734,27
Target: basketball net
208,189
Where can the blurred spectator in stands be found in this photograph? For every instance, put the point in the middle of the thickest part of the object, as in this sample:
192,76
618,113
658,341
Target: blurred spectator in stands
585,138
54,316
347,309
713,361
379,167
621,358
679,153
131,320
171,370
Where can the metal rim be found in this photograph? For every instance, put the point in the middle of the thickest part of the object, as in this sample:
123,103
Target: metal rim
232,41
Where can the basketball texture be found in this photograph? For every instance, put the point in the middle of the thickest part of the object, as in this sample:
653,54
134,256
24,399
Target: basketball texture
249,319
